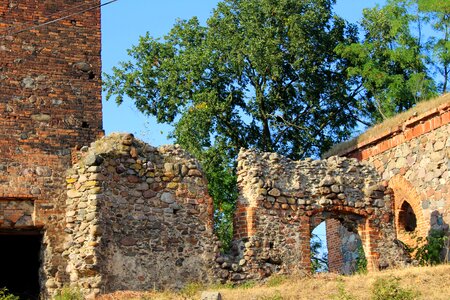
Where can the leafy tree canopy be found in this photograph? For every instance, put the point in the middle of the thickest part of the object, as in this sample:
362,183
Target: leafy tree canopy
404,57
389,63
438,14
286,76
261,73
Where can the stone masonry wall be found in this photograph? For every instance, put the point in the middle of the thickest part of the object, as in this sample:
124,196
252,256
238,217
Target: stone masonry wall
50,103
138,218
281,201
414,158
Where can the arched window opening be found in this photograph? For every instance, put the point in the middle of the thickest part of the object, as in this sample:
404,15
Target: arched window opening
407,220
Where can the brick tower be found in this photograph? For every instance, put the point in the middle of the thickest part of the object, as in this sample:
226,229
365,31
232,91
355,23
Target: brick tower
50,104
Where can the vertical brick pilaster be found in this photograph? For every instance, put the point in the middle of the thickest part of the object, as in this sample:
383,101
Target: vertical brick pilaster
334,244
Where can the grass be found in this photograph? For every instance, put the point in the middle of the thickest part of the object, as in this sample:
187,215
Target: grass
412,283
68,293
389,124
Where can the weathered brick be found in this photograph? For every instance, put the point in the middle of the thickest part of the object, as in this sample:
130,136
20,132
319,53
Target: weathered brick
50,103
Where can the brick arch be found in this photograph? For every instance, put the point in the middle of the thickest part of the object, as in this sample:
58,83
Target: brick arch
363,222
404,191
278,198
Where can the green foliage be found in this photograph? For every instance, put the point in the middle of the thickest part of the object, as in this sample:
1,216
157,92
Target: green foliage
247,284
319,260
222,187
342,293
276,280
430,252
388,66
219,286
361,261
438,13
260,74
190,290
389,288
5,295
69,293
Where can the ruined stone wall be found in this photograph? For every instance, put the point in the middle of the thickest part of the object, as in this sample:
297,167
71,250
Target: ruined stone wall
413,157
139,218
281,201
50,103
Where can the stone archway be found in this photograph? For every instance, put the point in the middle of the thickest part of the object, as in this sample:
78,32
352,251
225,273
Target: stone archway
409,220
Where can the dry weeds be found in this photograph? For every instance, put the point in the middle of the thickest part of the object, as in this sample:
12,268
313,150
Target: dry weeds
430,282
389,124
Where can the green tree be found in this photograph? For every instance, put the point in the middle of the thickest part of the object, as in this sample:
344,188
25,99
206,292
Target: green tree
388,66
438,12
319,259
261,73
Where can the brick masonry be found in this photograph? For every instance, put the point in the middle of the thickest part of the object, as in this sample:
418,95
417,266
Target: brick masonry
281,201
121,214
50,104
413,157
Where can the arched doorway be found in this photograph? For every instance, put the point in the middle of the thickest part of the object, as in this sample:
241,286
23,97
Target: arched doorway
336,245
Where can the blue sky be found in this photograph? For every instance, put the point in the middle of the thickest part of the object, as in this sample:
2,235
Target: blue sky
125,20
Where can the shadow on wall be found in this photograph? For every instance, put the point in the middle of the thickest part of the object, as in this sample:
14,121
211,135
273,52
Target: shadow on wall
439,235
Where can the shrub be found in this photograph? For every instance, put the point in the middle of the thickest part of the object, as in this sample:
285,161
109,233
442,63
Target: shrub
5,295
361,261
389,288
190,290
430,252
69,293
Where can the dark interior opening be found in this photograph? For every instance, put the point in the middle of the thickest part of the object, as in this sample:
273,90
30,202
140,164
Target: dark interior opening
20,263
407,218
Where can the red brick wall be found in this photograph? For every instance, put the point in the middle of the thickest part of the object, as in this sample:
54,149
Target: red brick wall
402,133
50,92
412,158
404,191
50,103
335,259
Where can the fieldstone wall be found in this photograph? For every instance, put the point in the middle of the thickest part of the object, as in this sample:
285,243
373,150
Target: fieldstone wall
50,104
418,173
414,158
281,201
138,218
